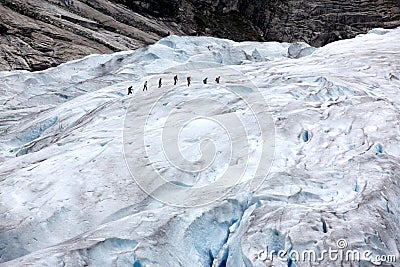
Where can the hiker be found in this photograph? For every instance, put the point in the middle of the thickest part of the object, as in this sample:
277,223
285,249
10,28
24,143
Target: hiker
217,79
159,83
188,80
130,90
145,86
205,81
175,79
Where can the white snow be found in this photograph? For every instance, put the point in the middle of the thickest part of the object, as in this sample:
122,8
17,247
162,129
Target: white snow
75,153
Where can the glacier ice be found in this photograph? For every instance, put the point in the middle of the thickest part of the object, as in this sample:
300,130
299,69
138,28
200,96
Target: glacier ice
68,198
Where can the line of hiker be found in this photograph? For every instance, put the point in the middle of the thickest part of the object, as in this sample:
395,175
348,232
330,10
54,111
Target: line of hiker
188,79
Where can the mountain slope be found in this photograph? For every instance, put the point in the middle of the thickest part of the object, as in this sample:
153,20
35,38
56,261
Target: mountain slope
38,34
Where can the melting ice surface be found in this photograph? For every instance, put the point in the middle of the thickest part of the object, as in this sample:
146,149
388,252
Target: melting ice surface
67,197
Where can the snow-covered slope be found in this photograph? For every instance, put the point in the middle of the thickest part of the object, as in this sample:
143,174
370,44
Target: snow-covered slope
79,158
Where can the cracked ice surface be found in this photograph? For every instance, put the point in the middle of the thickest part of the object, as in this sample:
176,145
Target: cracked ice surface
67,197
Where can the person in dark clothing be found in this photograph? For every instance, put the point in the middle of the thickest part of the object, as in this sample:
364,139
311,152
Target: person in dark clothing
188,80
145,86
205,81
130,90
159,83
175,79
217,79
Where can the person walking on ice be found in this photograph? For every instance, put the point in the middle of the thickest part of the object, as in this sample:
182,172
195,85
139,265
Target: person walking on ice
175,79
145,86
188,80
217,79
159,83
130,90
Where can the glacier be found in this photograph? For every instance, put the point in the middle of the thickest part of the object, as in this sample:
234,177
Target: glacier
295,149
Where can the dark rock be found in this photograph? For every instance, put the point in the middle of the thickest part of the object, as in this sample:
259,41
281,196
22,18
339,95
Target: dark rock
3,28
316,23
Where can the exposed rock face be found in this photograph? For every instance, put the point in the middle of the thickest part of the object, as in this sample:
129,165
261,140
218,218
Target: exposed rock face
37,34
315,22
319,22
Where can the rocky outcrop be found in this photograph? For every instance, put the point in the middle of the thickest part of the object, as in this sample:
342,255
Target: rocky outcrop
314,22
37,34
319,22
